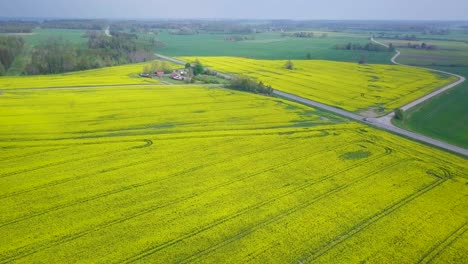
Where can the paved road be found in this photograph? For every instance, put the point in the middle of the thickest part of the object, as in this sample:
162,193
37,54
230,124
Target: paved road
430,95
176,61
387,119
382,122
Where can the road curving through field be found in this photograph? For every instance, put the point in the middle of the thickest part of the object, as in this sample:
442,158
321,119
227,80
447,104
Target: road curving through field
383,122
412,104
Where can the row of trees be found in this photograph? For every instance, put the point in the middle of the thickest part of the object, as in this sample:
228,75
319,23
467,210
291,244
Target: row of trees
247,84
183,31
17,26
421,46
157,66
237,38
57,55
411,37
10,47
369,47
303,34
75,24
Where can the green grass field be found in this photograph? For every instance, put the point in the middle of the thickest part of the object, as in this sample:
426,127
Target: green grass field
74,36
447,53
270,46
444,117
182,174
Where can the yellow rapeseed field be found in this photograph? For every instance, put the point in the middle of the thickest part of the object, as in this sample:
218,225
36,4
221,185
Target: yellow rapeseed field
164,174
364,88
118,75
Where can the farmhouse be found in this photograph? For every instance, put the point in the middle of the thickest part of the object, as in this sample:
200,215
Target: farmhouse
176,76
159,74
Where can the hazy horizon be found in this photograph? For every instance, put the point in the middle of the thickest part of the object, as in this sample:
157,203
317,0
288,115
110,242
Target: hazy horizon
449,10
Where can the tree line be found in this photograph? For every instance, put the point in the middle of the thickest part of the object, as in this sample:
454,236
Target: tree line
243,83
423,45
17,26
368,47
10,47
75,24
302,34
237,38
56,55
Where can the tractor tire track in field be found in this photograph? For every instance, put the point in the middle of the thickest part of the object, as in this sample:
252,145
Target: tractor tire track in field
52,164
440,247
156,248
227,132
285,213
31,153
369,221
125,188
137,185
26,250
149,143
62,181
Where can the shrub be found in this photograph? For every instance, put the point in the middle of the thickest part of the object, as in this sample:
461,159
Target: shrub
289,65
247,84
399,114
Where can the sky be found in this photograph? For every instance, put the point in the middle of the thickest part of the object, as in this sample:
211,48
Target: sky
235,9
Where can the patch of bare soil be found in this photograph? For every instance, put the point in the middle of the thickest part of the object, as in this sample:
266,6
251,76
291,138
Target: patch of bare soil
371,112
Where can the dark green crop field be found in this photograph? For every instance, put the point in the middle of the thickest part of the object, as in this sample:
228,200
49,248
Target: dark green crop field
271,46
445,116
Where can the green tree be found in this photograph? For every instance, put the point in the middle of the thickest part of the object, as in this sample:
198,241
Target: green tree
247,84
289,65
309,56
2,69
399,114
198,68
146,68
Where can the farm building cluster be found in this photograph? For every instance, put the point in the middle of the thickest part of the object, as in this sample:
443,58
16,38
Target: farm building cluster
179,74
